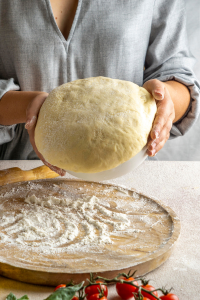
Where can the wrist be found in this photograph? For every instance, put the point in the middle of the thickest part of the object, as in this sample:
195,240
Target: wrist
180,96
13,106
33,109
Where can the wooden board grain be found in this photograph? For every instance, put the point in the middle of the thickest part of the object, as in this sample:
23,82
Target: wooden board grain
155,229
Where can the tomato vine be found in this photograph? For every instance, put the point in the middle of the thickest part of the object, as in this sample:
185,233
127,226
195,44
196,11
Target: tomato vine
126,285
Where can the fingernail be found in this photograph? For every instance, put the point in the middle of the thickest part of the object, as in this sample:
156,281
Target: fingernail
63,173
27,124
153,144
58,171
156,133
160,93
153,152
30,122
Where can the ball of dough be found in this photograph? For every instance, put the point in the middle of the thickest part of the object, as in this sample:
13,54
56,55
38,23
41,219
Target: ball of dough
94,124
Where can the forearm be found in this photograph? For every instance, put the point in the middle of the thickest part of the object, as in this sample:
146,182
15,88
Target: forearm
13,106
180,96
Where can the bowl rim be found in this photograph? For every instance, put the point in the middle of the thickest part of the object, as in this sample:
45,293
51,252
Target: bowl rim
116,172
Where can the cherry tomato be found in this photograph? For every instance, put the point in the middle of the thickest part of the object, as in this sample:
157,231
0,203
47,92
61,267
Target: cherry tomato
169,297
97,297
60,286
149,288
75,298
125,291
94,289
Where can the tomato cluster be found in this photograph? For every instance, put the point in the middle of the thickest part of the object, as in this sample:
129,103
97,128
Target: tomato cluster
127,288
127,291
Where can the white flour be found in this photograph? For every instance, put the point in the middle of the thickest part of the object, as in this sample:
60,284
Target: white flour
51,224
77,221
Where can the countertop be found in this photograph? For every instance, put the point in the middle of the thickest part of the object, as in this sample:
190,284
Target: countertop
176,184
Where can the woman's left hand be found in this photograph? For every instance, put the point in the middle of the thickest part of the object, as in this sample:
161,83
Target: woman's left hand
164,117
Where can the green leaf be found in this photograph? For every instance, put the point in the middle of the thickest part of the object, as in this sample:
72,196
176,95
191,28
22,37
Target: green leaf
66,293
11,296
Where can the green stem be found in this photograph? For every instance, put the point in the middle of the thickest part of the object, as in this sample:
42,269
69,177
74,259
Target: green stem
164,291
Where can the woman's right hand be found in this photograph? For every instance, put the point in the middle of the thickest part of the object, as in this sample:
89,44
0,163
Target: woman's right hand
32,112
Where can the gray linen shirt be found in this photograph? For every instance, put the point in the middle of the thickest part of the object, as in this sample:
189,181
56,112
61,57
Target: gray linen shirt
108,38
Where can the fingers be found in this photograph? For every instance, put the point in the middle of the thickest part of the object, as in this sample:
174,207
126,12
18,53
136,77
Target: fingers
158,147
154,145
164,117
59,171
165,111
165,108
31,120
165,105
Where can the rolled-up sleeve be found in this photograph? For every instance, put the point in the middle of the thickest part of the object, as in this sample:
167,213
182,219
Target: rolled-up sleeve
168,57
7,132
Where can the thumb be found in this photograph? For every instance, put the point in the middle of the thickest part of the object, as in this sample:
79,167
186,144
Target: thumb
156,88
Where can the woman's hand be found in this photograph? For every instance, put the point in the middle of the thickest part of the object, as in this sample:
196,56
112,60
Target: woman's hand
31,120
164,117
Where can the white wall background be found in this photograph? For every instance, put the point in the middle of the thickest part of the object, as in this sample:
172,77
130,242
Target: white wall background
188,147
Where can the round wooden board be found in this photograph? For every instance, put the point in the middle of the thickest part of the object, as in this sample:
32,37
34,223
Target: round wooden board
144,244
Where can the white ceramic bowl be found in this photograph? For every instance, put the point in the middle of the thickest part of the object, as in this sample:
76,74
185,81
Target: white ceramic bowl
120,170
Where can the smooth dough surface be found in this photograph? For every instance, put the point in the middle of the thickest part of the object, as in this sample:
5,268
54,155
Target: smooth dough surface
94,124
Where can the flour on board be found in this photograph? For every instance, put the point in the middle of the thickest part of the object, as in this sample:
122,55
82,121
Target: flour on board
51,224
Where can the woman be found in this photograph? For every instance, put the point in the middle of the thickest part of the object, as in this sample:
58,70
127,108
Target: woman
45,43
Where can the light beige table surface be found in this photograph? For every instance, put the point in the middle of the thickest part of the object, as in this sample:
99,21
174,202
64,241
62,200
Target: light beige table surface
176,184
